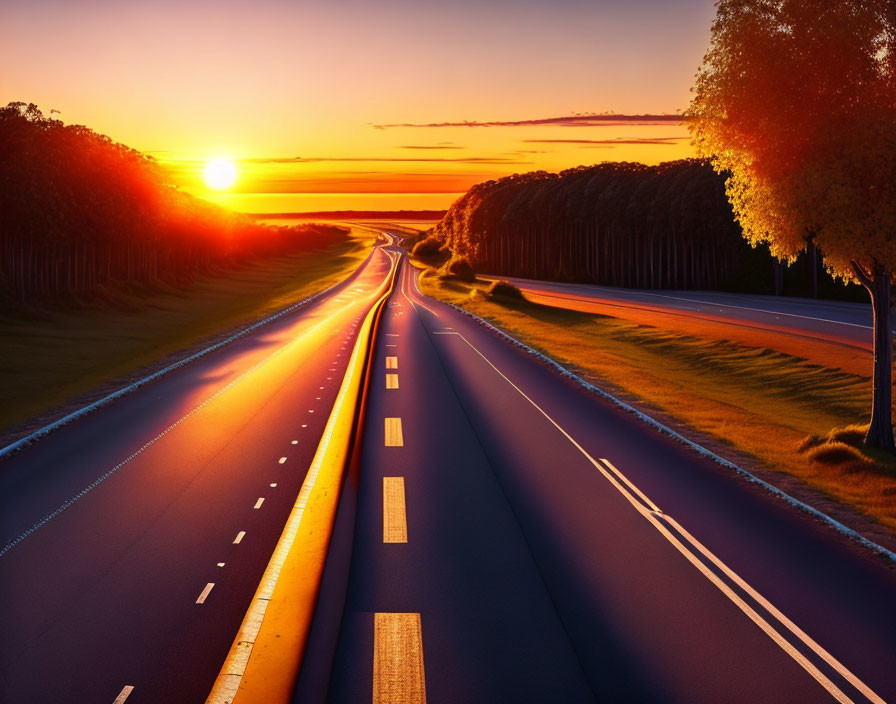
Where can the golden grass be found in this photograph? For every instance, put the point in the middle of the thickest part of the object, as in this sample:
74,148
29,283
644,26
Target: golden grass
49,358
760,402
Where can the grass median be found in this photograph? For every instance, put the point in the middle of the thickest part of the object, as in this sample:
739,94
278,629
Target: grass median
772,411
55,361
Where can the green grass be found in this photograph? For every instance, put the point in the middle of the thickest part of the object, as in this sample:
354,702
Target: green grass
50,358
761,403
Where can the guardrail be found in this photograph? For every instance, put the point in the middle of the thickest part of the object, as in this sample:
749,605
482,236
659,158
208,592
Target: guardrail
265,658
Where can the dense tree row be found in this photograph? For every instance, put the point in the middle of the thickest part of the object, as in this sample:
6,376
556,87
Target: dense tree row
618,224
78,210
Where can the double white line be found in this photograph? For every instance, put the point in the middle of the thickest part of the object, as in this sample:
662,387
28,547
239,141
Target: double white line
703,559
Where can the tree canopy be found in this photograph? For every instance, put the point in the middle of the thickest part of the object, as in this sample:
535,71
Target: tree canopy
78,210
796,102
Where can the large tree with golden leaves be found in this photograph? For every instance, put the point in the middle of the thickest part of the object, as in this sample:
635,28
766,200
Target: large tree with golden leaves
796,102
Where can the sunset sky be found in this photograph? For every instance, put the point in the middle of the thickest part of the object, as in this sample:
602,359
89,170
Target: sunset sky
331,104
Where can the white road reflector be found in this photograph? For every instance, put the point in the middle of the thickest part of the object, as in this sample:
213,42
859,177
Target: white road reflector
205,593
391,381
395,522
394,436
391,362
398,674
123,694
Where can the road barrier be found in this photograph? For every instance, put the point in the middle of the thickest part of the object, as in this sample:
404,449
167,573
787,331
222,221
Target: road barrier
264,661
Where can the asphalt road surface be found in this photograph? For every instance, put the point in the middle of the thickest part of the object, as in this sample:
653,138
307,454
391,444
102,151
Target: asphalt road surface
132,540
832,321
518,539
513,537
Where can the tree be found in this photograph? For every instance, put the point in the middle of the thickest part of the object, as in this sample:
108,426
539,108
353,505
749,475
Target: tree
796,102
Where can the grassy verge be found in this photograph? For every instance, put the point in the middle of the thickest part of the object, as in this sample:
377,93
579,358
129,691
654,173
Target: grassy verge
771,407
50,359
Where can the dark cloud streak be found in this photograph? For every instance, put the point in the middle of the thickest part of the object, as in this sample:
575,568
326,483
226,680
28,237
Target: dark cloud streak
585,120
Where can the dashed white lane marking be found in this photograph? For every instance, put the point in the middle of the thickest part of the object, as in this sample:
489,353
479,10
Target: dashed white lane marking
205,593
295,442
259,502
281,460
394,437
304,425
220,564
239,537
273,485
123,694
391,334
311,411
391,345
391,362
99,480
391,381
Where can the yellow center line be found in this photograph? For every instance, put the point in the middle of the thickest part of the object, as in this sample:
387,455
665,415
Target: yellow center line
398,674
391,381
394,436
395,523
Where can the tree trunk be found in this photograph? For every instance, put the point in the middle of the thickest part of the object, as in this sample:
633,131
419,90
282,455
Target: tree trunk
880,431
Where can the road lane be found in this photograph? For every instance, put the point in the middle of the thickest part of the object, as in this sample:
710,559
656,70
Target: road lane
143,578
725,594
839,322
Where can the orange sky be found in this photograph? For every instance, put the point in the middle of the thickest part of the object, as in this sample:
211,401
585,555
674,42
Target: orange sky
300,92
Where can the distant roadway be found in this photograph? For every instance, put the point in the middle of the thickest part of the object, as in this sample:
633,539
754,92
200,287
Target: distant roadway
515,537
833,321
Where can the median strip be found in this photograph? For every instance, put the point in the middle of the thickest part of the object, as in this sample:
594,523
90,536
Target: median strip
265,657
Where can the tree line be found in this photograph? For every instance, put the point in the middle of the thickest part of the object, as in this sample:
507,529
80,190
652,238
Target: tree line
78,210
620,224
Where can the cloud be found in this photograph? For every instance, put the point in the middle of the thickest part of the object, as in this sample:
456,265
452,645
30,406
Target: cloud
582,120
399,159
431,146
660,141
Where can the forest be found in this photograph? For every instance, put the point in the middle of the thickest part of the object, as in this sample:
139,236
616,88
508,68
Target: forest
78,210
622,224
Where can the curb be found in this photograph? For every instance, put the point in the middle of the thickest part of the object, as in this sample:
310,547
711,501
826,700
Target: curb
265,658
844,530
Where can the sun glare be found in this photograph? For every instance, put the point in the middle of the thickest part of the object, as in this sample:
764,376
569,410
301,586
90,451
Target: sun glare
219,174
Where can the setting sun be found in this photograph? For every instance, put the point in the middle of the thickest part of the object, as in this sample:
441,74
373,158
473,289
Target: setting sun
219,174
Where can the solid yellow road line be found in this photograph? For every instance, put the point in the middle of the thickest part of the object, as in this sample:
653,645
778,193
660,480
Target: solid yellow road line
398,676
395,523
391,381
394,437
391,362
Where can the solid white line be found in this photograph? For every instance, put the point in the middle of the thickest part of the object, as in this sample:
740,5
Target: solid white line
239,537
205,593
90,487
123,694
746,609
259,502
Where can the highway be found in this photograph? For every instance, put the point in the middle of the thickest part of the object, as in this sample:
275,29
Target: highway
840,322
503,535
518,539
132,540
